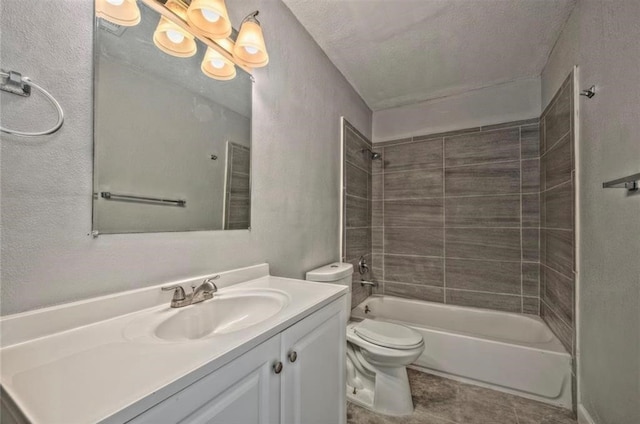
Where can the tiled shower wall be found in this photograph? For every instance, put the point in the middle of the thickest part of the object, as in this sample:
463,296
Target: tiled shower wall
357,191
455,217
557,185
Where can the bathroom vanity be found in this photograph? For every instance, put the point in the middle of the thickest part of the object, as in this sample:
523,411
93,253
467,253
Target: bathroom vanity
264,350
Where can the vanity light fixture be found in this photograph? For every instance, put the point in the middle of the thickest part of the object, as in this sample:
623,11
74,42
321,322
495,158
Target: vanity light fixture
208,21
210,17
216,66
249,47
172,39
121,12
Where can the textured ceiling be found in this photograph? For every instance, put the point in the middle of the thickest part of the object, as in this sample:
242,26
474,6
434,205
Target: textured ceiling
397,52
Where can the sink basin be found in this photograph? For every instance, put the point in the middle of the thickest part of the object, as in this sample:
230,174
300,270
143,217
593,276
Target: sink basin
225,313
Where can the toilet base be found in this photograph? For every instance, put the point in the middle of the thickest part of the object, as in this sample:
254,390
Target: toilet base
391,396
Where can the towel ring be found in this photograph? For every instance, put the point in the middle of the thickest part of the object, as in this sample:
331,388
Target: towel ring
17,84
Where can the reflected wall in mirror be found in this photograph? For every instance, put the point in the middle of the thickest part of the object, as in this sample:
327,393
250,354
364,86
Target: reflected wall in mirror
172,146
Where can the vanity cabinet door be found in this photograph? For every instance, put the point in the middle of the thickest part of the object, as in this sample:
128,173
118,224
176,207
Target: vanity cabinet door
313,377
244,391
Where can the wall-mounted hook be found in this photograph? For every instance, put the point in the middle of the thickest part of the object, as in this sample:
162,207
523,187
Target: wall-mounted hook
590,92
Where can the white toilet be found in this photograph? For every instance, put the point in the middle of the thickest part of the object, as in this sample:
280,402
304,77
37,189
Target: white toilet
377,354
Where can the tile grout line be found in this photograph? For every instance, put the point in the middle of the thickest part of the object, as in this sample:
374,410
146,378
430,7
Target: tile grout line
444,226
382,218
521,231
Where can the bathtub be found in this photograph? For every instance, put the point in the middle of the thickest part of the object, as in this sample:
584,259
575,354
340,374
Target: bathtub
509,352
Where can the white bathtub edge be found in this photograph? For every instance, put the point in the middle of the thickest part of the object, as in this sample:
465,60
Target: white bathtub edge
562,403
583,415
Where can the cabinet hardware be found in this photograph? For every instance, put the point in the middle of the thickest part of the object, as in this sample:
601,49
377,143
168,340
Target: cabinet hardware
293,355
277,367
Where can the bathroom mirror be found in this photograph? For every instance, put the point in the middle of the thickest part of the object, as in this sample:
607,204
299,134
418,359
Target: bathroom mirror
172,147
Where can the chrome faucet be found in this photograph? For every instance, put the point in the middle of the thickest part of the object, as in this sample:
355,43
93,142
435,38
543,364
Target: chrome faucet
204,291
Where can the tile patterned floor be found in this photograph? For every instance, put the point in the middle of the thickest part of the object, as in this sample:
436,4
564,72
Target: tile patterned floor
439,400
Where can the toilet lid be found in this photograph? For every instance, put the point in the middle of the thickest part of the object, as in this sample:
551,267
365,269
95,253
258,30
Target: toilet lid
387,334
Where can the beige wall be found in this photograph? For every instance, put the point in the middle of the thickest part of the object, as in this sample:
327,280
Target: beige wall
48,256
601,37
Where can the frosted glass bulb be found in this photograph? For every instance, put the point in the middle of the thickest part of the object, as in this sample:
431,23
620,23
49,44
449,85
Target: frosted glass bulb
115,2
210,15
175,36
217,63
251,49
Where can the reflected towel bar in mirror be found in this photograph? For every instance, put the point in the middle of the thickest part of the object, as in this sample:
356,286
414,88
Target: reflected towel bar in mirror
170,202
631,183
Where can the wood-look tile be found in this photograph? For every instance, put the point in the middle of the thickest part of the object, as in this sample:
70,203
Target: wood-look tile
376,214
530,279
531,305
530,141
377,240
392,142
530,244
559,207
558,293
500,302
377,187
377,263
559,328
502,244
358,294
558,118
358,242
241,161
413,156
414,213
414,291
482,211
510,124
357,212
413,270
412,184
446,134
356,181
494,146
488,276
353,150
532,412
238,225
531,176
558,164
531,210
486,179
542,139
240,184
239,210
413,241
559,251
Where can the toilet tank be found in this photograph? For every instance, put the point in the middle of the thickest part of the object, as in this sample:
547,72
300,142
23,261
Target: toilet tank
334,273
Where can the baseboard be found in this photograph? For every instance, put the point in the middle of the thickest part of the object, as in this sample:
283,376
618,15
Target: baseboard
583,416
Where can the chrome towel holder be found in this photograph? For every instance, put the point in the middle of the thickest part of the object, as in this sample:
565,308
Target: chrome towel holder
14,82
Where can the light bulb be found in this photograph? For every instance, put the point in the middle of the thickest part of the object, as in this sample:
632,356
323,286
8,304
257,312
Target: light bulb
115,2
175,36
251,49
210,15
217,63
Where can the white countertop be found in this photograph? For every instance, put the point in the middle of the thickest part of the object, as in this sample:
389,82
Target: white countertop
104,371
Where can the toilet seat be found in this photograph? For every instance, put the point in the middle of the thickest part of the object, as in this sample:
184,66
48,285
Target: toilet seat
388,335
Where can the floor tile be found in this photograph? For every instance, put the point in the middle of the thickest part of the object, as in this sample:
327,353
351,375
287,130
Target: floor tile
439,400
